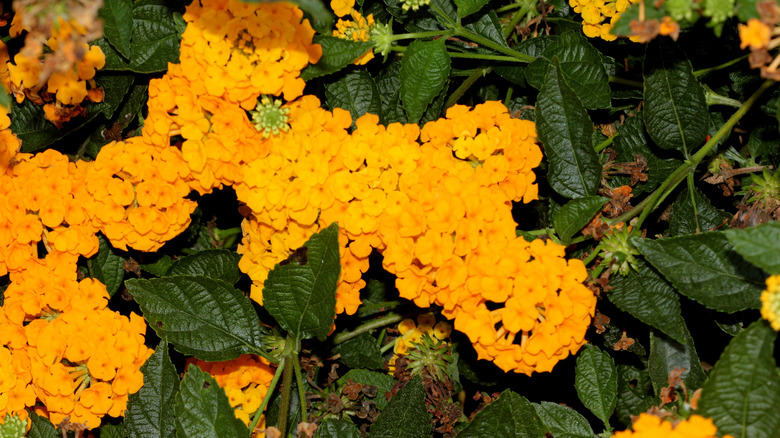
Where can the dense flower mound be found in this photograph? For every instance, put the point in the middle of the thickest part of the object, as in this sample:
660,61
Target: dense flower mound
245,380
63,347
650,426
437,205
770,301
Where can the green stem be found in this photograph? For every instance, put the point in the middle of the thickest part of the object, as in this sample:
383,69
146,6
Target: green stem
604,144
482,41
484,56
369,309
284,407
713,98
509,7
592,255
692,194
718,67
519,15
387,347
670,183
367,327
299,382
508,97
579,239
628,82
271,387
419,35
467,83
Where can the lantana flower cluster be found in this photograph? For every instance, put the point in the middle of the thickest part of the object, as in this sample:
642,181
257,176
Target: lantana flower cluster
61,346
412,335
358,28
245,380
56,67
651,426
595,14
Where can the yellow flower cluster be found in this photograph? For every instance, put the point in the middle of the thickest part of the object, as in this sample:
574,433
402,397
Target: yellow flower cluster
56,70
357,29
412,333
245,380
437,205
761,36
61,346
770,301
650,426
596,12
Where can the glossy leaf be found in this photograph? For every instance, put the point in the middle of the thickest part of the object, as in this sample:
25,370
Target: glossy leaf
405,416
742,394
202,317
337,53
107,267
41,427
705,268
758,245
509,416
117,16
203,410
300,293
150,411
667,354
565,130
650,299
563,421
360,352
675,110
333,428
684,219
596,381
635,393
217,264
575,214
468,7
356,92
581,65
425,69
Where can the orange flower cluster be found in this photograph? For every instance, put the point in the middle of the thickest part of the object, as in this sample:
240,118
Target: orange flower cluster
56,67
231,53
245,380
650,426
412,334
439,212
359,28
63,347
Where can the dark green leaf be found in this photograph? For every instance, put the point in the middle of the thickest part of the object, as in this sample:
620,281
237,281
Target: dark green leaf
360,352
300,292
107,267
201,317
667,354
746,9
634,393
121,119
30,125
332,428
405,416
510,416
150,411
596,381
565,130
685,220
113,431
763,142
758,245
203,409
388,82
41,427
383,382
160,267
563,421
218,264
675,110
117,16
575,214
356,92
487,25
650,299
425,69
705,268
337,53
742,393
581,65
468,7
155,41
630,145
